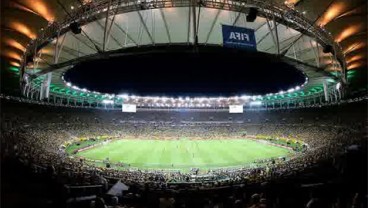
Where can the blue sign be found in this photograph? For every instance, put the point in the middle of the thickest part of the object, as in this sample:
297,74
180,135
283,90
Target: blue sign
238,37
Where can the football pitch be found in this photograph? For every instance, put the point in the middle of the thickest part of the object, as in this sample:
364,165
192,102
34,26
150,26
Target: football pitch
184,153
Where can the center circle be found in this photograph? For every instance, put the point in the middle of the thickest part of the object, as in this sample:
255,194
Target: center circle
178,70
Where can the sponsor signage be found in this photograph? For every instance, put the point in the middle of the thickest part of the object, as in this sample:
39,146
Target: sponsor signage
238,37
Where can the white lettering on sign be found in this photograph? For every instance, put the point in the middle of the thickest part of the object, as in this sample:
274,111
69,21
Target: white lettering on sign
239,36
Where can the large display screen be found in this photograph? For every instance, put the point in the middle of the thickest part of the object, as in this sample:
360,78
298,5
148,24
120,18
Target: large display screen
235,109
129,108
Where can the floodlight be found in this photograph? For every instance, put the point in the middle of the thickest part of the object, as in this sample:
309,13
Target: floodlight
257,103
108,101
123,95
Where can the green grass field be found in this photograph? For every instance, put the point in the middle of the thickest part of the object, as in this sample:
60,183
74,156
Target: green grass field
184,153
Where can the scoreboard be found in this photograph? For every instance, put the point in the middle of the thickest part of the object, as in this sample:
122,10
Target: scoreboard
129,108
235,108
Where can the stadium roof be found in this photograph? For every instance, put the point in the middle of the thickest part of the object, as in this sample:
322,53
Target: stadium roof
168,23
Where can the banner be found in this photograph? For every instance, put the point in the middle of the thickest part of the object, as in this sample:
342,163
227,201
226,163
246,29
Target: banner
235,109
129,108
238,37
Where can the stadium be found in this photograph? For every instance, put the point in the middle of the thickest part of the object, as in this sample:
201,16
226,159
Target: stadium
209,103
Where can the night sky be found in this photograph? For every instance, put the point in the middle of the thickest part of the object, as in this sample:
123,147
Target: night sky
207,72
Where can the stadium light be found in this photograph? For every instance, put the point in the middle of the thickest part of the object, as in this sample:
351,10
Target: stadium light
256,103
297,88
108,102
123,96
68,84
291,90
201,99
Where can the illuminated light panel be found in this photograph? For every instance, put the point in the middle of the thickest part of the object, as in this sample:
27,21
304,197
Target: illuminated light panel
12,55
23,29
355,58
40,8
14,69
86,2
47,51
351,72
291,3
355,46
331,13
355,64
21,7
333,69
13,63
357,10
13,43
349,31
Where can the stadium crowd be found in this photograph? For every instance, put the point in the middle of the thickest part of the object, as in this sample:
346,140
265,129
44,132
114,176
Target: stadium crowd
34,134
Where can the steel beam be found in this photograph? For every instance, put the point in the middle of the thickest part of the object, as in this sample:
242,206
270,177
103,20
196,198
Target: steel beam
189,21
106,26
270,31
58,49
213,25
194,13
82,41
126,33
276,36
145,27
316,54
166,26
